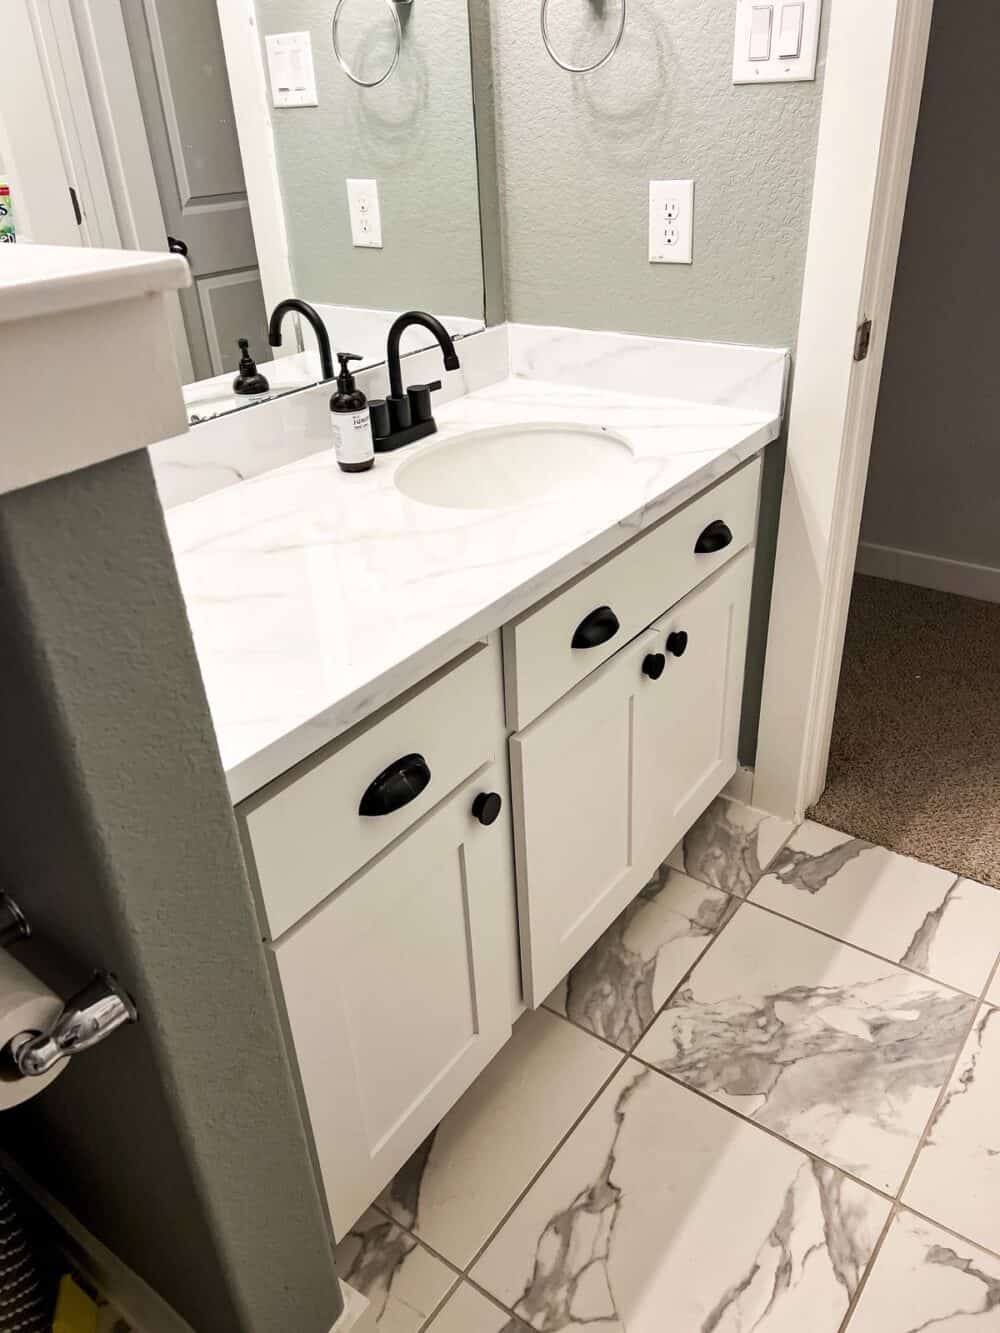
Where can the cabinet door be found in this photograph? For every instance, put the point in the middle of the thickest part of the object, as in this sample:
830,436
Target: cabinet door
398,994
688,729
573,784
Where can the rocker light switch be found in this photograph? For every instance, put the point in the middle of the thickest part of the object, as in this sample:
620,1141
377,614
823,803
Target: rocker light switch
789,43
760,32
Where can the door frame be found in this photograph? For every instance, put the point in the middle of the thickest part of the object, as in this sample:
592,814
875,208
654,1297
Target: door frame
871,100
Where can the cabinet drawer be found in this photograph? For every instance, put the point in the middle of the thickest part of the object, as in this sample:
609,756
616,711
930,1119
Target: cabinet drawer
397,993
628,590
609,780
305,832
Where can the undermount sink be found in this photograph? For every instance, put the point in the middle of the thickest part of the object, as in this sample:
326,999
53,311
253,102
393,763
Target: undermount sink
511,465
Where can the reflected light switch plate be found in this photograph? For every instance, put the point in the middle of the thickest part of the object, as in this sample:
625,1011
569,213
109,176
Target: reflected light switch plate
290,69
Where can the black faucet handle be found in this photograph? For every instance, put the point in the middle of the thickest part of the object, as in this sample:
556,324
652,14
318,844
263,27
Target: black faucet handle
420,400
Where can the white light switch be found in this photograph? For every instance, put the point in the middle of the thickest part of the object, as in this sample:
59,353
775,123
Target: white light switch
671,222
760,32
290,68
776,43
789,44
366,219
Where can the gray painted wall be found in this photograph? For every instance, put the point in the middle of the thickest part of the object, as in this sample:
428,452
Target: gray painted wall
934,479
577,152
178,1143
415,135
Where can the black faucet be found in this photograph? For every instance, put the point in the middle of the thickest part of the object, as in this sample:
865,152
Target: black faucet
403,418
294,306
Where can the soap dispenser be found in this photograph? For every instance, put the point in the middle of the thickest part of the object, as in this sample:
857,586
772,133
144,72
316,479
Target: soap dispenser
351,420
249,380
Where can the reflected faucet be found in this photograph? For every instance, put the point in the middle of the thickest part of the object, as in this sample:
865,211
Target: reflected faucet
294,306
406,417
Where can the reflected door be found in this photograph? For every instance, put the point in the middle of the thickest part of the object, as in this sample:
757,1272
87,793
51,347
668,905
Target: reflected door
180,71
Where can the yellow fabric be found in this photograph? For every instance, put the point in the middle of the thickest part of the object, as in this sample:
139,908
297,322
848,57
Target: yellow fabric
75,1311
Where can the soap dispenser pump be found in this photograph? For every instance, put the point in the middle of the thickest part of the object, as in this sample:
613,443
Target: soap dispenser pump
249,380
351,420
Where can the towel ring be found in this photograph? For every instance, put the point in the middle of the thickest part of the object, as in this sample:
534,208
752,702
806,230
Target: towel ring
580,69
398,32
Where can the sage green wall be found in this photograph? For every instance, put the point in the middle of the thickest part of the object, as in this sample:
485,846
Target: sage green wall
415,135
576,154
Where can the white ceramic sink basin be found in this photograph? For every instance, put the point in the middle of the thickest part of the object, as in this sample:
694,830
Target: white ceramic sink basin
512,465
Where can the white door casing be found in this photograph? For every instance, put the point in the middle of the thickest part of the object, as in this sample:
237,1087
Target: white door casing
874,75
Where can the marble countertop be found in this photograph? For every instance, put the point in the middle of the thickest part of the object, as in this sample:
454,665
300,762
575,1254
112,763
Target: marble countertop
317,596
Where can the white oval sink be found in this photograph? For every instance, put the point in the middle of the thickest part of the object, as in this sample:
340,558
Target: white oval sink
512,465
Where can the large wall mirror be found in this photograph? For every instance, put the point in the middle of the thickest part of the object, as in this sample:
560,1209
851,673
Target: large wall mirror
323,150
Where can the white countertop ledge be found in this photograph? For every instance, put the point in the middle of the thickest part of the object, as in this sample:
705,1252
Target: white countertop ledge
51,279
316,596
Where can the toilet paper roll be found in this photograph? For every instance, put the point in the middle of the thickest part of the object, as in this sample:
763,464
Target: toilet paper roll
26,1005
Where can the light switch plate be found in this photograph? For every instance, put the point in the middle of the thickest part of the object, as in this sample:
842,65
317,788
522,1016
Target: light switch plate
366,217
290,69
785,17
671,222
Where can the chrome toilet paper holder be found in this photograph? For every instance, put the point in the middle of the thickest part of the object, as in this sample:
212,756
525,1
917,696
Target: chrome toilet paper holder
93,1013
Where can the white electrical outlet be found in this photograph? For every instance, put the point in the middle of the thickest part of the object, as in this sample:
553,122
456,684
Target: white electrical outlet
366,219
671,222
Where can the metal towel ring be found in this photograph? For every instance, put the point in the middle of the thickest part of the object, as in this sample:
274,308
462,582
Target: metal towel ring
368,83
580,69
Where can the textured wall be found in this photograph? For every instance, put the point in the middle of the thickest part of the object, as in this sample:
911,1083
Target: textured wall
934,479
178,1143
414,135
577,153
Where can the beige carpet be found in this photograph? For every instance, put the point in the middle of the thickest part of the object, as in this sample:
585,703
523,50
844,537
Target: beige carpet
915,763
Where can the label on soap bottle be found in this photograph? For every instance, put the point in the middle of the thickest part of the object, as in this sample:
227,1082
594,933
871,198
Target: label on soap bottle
352,436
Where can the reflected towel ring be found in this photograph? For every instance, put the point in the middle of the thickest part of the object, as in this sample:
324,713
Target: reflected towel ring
398,33
581,69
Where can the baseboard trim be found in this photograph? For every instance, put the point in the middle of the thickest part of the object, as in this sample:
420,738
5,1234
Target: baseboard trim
929,571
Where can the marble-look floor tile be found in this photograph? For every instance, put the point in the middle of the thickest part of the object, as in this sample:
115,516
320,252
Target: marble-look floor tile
911,913
926,1279
457,1187
468,1311
731,846
957,1176
838,1051
664,1211
620,984
402,1281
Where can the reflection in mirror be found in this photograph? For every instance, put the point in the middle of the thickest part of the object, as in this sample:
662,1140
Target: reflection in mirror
322,150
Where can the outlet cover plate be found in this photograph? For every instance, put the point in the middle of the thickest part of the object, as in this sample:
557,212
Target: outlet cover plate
366,217
671,222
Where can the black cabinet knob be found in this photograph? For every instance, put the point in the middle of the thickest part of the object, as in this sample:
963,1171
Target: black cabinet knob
677,642
596,628
716,537
396,786
653,664
487,806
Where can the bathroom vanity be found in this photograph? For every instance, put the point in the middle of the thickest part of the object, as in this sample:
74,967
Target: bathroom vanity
461,737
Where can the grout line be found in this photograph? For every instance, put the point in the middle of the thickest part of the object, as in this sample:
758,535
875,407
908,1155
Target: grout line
849,944
572,1129
587,1032
932,1221
869,1266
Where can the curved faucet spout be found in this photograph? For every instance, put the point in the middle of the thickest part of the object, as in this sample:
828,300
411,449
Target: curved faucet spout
294,306
399,327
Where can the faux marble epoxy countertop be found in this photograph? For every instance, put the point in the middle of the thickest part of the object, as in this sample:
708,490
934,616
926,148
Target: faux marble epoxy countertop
316,596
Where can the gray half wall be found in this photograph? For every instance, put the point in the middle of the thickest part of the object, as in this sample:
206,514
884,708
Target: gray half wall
178,1142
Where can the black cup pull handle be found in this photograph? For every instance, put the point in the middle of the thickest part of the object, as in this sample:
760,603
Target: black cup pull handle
396,786
596,628
716,537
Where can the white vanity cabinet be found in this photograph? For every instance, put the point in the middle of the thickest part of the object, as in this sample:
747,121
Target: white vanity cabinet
403,941
397,992
610,778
